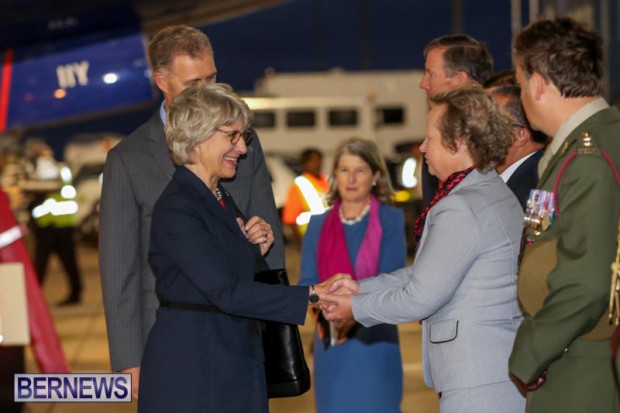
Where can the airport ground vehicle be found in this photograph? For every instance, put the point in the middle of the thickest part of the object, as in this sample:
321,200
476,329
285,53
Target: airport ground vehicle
395,104
288,125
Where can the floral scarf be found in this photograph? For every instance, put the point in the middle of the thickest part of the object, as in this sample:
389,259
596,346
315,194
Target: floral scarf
444,189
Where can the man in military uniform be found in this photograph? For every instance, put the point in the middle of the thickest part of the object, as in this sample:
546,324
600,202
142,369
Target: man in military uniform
562,354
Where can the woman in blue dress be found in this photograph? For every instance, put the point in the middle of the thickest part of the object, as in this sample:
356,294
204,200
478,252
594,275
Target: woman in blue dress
356,369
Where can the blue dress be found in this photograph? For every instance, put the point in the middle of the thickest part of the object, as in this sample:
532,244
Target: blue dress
364,374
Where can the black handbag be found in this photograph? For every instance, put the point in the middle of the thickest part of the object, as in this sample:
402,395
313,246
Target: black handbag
285,365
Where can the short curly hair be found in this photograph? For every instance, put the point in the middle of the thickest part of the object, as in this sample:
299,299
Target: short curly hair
474,115
197,112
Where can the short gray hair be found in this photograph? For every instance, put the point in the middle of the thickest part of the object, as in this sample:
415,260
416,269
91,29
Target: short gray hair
197,112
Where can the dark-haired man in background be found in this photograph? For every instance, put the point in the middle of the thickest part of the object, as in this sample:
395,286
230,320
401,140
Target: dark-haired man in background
520,169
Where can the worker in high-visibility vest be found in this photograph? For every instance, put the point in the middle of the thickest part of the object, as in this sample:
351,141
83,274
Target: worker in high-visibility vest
306,197
53,217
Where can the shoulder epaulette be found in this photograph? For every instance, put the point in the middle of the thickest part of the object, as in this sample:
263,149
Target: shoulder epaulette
587,145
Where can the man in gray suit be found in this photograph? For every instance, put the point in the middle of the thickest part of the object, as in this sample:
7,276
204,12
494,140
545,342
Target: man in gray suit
136,172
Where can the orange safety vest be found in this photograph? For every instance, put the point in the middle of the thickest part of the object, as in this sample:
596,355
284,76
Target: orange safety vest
305,197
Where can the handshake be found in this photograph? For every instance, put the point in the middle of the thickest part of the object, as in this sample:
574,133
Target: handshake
335,296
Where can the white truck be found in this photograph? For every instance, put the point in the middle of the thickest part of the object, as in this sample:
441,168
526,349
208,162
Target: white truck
288,125
397,104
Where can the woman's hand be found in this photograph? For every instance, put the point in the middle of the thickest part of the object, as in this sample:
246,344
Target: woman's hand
258,231
336,307
343,328
341,284
135,380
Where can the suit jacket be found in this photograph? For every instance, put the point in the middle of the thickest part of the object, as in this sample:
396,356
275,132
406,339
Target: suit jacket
525,178
204,361
580,376
462,284
136,172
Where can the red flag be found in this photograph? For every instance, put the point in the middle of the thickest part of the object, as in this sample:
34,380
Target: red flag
45,342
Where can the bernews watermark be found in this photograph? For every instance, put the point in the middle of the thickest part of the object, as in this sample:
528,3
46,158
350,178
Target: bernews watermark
78,387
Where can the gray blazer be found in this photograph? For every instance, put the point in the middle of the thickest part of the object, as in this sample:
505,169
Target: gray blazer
462,284
136,172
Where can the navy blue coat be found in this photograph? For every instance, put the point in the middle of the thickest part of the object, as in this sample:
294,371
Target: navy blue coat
205,361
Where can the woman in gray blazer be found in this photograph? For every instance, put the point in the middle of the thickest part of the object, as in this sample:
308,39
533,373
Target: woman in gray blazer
463,280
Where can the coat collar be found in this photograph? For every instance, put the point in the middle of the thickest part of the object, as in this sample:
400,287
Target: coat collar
201,193
599,118
474,178
156,147
156,129
525,167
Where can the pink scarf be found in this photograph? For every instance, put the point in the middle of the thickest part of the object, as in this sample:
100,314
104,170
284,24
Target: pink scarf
333,254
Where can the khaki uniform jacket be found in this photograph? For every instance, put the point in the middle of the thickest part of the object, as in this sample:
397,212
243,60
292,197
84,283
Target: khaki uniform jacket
583,236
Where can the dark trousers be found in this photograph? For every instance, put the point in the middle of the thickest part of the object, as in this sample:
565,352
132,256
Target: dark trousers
60,241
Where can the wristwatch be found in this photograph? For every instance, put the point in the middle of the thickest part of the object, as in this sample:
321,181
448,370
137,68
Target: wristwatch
314,297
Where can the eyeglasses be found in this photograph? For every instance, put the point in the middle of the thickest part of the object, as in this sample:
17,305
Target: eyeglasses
235,135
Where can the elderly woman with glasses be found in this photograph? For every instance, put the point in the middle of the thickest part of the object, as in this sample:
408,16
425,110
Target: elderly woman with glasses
204,352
